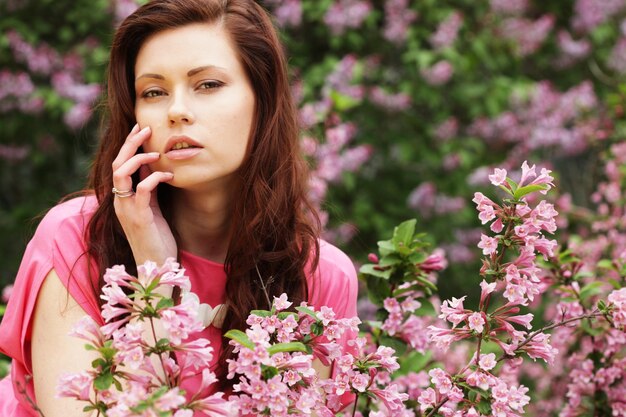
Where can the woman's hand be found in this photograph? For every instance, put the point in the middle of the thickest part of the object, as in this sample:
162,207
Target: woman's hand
148,234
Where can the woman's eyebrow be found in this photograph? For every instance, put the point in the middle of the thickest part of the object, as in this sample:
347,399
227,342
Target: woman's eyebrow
190,73
194,71
157,76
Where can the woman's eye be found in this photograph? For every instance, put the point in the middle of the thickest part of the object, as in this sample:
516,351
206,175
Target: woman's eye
209,85
152,93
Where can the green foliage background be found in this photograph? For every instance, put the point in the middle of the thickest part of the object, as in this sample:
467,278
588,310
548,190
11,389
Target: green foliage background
406,152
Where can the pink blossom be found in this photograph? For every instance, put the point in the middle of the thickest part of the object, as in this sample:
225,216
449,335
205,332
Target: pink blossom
489,245
281,303
498,177
76,386
487,361
476,322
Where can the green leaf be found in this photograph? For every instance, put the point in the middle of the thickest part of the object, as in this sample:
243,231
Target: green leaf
484,407
521,192
239,337
103,381
396,344
286,347
426,309
284,314
306,310
606,264
414,362
591,289
403,233
165,303
390,260
317,328
377,289
261,313
386,247
372,269
513,185
589,329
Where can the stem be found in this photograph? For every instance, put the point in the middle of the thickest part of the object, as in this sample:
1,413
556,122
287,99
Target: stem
530,337
165,376
437,407
356,400
22,390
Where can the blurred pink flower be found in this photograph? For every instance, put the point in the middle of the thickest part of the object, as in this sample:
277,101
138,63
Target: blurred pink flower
589,14
513,7
344,14
6,293
78,115
398,18
617,59
393,102
438,74
528,35
447,31
287,12
447,129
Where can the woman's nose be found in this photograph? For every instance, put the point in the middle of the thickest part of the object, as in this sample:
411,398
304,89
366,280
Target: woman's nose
179,111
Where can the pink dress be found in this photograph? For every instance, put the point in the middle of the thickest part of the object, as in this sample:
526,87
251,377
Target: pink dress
58,244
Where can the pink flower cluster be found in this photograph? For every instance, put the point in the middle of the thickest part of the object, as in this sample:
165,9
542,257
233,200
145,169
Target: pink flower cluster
545,119
617,300
519,228
402,323
398,18
447,31
438,74
389,101
589,14
66,79
287,12
428,201
514,7
17,92
139,372
344,14
528,35
366,373
274,363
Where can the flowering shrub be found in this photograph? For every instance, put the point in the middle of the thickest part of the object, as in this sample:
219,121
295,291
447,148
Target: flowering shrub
483,373
402,364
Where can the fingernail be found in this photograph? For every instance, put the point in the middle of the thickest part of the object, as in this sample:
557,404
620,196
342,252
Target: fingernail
135,128
155,154
145,129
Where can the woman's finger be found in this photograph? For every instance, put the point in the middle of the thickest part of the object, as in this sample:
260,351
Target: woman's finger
130,147
148,185
121,176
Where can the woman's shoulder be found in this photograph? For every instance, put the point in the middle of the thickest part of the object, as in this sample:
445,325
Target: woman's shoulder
69,215
333,258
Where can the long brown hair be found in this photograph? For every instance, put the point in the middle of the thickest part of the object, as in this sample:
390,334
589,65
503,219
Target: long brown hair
272,228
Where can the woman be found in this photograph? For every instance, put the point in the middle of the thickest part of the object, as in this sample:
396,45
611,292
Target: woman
210,173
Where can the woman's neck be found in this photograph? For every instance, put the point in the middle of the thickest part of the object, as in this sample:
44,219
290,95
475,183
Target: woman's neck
202,222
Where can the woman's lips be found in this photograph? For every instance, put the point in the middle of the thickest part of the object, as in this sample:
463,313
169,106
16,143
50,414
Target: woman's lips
183,153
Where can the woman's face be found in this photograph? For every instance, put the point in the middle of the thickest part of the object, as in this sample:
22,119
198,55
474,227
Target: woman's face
193,92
